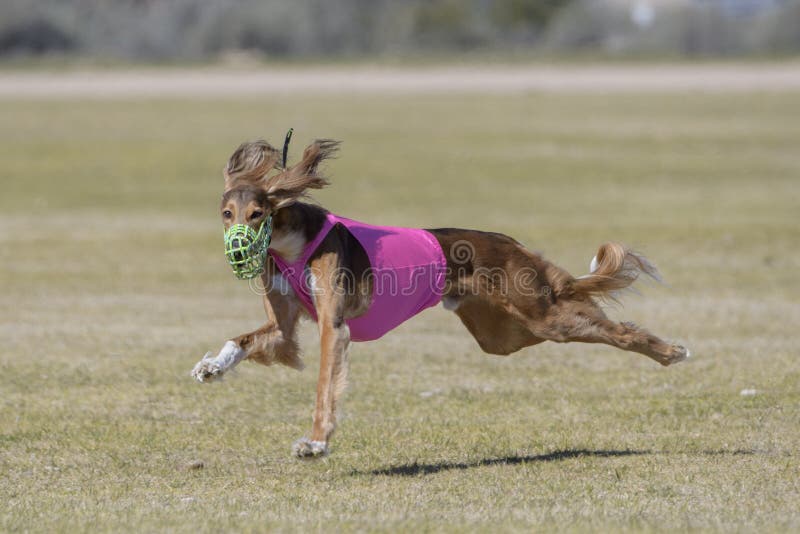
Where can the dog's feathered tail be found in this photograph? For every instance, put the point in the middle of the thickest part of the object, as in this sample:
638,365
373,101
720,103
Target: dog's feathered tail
614,267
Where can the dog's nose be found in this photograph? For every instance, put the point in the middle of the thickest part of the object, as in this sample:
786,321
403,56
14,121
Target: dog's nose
236,248
238,243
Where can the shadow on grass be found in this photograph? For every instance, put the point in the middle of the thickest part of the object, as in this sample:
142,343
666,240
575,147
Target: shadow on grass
733,452
427,469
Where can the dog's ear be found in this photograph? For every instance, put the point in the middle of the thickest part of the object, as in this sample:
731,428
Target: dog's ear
251,163
286,187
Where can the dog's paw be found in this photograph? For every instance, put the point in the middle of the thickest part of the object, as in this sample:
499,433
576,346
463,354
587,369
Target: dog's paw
678,354
206,370
307,448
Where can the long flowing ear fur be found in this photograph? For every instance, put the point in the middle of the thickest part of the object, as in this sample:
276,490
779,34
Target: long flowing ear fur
251,163
286,187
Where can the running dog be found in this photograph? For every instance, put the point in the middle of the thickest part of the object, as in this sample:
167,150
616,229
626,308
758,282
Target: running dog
358,281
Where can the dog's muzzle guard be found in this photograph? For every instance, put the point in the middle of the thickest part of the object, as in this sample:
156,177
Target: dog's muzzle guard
246,249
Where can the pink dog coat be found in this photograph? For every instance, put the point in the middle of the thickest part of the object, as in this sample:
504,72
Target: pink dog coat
408,269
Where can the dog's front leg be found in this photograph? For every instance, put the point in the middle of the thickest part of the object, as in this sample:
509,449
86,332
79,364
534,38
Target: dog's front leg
267,345
334,341
213,367
273,343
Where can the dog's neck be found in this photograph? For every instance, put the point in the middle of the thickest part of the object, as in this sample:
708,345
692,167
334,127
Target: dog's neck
293,227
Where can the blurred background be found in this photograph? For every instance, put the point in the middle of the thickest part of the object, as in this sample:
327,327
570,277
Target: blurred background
671,126
203,30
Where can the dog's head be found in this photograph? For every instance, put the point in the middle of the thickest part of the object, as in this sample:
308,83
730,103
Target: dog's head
257,185
253,191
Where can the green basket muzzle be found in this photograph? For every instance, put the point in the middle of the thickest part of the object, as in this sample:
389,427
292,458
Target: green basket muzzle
246,249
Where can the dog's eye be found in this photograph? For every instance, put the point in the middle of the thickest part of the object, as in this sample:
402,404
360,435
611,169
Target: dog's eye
256,214
227,214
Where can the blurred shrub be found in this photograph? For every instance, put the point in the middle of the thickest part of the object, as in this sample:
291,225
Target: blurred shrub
447,23
187,29
526,14
680,28
589,26
36,36
198,29
779,31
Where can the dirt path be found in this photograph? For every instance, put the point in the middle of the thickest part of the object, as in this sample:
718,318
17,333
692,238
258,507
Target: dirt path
219,82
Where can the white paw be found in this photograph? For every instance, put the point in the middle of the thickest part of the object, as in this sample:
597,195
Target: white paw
307,448
679,354
207,369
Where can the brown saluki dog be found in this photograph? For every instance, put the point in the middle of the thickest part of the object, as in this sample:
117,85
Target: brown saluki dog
507,296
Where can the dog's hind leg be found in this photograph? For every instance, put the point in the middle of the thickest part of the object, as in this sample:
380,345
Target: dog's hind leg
584,321
628,336
495,330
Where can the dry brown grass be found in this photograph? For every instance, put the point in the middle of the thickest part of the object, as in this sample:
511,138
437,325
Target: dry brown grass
114,284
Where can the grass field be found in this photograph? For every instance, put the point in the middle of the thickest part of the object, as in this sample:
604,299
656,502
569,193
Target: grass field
114,285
